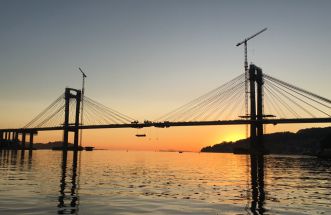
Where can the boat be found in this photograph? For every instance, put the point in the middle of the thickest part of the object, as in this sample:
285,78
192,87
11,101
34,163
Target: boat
140,135
89,148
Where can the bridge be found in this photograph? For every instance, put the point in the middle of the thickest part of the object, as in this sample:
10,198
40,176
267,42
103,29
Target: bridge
271,101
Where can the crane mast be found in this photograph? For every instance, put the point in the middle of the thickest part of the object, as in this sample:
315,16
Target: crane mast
82,106
246,70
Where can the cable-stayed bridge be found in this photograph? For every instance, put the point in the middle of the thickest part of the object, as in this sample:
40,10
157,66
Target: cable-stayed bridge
271,101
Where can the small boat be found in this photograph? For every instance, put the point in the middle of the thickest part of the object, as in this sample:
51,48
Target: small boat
140,135
89,148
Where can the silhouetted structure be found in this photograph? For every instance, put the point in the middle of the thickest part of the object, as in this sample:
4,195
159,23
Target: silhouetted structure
67,128
64,113
257,114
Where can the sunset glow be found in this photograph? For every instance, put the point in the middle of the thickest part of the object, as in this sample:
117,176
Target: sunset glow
146,58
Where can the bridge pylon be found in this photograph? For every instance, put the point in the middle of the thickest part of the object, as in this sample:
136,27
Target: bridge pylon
76,95
256,109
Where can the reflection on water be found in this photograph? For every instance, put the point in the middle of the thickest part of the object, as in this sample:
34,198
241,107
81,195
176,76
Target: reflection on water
72,195
48,182
257,184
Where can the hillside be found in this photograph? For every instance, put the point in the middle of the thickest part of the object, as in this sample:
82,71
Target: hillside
305,141
50,145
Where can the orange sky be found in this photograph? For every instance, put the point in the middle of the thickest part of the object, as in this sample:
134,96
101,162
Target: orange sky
146,58
175,138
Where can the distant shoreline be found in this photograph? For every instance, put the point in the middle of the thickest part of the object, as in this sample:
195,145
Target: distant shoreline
308,141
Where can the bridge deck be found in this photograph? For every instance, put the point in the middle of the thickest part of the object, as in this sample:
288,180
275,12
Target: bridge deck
176,124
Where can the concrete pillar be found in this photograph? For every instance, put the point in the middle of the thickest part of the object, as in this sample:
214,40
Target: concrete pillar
1,140
31,141
252,107
66,119
23,140
16,143
5,139
259,127
67,128
76,135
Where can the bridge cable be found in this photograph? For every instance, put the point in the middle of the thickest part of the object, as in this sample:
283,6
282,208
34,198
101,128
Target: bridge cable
276,97
106,118
279,90
270,105
105,114
200,99
41,114
126,117
221,99
213,100
275,86
297,88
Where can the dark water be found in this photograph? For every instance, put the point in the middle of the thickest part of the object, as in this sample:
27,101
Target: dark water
114,182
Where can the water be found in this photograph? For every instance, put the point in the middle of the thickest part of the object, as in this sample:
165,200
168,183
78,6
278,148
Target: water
115,182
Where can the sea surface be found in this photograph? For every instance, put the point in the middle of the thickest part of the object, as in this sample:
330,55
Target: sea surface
120,182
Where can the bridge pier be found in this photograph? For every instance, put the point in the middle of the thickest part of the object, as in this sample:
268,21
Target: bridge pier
1,139
67,127
260,114
13,141
10,139
31,141
4,140
76,130
23,141
256,106
16,143
252,108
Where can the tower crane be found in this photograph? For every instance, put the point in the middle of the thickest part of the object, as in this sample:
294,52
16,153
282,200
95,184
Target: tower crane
82,106
246,70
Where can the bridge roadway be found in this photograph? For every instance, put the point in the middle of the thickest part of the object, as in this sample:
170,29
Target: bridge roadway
167,124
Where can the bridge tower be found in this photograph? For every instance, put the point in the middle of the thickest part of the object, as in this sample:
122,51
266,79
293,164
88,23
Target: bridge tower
76,95
256,109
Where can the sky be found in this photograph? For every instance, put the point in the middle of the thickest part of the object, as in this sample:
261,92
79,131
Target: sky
144,58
